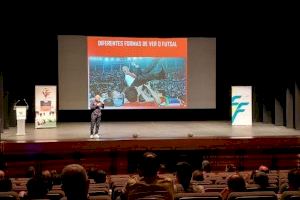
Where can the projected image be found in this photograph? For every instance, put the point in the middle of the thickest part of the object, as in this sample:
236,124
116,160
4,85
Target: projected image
138,82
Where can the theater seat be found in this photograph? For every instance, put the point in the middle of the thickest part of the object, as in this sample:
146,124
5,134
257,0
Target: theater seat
263,195
198,196
9,196
291,195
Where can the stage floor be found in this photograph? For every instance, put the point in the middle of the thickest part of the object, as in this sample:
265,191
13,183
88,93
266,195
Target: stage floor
112,131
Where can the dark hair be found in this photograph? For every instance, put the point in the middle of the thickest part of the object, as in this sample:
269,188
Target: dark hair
261,179
149,165
5,185
92,172
230,168
198,175
184,174
131,94
236,183
36,188
100,176
30,172
294,178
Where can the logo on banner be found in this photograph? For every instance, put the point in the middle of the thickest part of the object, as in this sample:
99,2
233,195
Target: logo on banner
239,106
46,92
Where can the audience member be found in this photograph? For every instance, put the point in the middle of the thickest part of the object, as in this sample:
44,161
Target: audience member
75,182
183,176
235,183
198,175
100,176
5,182
262,180
149,183
206,166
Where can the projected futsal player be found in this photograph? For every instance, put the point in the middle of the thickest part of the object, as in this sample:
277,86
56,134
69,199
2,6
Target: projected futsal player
140,76
96,106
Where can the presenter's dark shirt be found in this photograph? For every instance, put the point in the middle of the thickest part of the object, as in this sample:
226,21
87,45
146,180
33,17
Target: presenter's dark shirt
96,110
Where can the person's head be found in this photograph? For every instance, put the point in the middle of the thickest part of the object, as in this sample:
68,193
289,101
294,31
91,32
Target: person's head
36,188
230,168
91,172
149,165
184,174
198,175
30,172
294,179
5,183
131,94
56,178
75,182
125,69
100,176
261,179
97,97
2,174
47,178
236,183
264,169
206,166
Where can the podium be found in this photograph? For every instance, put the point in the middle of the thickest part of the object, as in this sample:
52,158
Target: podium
21,117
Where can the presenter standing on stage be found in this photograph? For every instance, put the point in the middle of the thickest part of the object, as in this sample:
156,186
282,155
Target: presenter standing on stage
96,106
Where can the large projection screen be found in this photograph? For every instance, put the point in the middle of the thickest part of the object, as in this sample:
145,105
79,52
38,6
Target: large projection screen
137,73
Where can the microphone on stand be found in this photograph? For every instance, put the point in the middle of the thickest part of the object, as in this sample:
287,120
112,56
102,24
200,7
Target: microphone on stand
26,103
15,104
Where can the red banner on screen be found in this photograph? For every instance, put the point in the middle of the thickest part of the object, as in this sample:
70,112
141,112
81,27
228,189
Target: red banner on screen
137,47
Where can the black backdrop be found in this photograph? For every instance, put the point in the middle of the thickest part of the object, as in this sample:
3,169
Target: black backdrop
252,49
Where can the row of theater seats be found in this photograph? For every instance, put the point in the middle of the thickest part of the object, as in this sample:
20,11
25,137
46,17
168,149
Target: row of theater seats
213,184
261,195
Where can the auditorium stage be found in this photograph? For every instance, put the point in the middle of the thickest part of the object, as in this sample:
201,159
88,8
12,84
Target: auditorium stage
116,145
149,130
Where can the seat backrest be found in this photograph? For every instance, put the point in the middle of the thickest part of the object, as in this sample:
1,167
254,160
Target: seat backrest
9,196
291,195
55,194
214,188
102,197
198,196
264,195
149,190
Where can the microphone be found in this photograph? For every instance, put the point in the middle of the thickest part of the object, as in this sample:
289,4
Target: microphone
26,103
15,104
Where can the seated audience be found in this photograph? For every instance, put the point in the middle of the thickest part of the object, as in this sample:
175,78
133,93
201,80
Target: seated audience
75,182
149,183
206,166
56,178
91,172
5,182
184,176
264,169
47,178
30,172
262,180
100,176
197,175
235,183
230,168
294,181
36,189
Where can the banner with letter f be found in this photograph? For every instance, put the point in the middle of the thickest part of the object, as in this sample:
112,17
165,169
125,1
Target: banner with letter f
241,105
